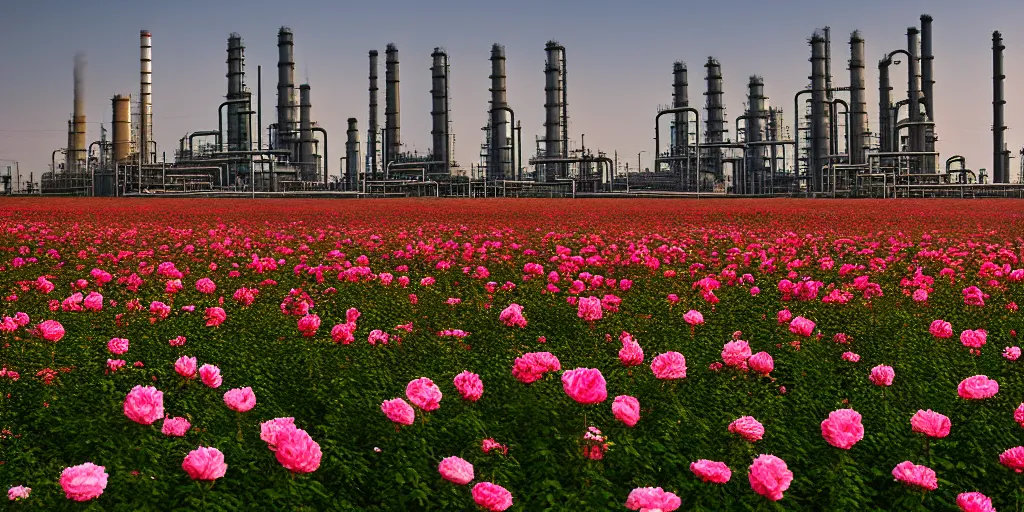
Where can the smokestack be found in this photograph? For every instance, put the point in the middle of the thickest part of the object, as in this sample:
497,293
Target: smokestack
756,121
858,104
555,111
287,131
392,103
307,161
714,104
884,107
499,153
819,115
352,155
146,95
915,132
373,128
680,98
927,76
999,153
122,128
239,138
439,113
76,150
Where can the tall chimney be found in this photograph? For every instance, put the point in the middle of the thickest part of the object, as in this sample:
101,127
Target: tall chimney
239,138
927,74
714,104
287,131
999,152
555,111
884,107
819,115
392,104
76,151
122,128
307,161
915,132
352,155
680,98
146,95
858,103
499,153
440,111
373,128
756,121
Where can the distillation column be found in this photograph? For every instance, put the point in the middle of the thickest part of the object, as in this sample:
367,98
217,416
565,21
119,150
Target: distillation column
819,116
554,112
307,159
681,123
122,128
858,105
392,103
286,125
715,123
1000,155
372,127
499,153
145,95
76,156
352,155
884,108
915,131
238,120
757,116
439,113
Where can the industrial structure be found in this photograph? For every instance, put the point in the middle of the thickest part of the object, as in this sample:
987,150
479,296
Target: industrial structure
830,150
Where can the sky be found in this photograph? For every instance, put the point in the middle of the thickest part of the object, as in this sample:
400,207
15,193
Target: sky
619,64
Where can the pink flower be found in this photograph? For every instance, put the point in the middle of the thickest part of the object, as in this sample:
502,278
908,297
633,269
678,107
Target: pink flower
626,409
973,339
930,423
204,463
93,302
206,286
490,444
210,375
843,428
398,411
469,385
919,476
114,365
652,498
631,354
762,363
801,326
920,295
83,482
585,385
693,317
941,329
144,405
423,393
882,375
1013,459
178,341
670,365
589,309
240,399
748,428
784,316
532,366
769,476
18,492
117,346
50,330
1011,353
456,470
270,428
175,427
755,291
491,497
308,325
711,471
974,502
978,387
512,316
1018,415
215,316
736,353
851,357
186,367
296,451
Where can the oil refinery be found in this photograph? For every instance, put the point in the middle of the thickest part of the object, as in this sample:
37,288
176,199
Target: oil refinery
823,147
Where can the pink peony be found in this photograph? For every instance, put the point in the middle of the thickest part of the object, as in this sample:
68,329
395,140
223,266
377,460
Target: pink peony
978,387
631,354
18,492
626,409
736,353
296,451
748,428
215,317
270,428
1013,459
973,339
941,329
920,295
843,428
693,317
919,476
84,481
398,411
175,427
469,385
532,366
770,477
930,423
93,302
851,357
490,444
117,346
206,286
711,471
186,367
456,470
50,330
204,463
491,497
423,393
652,498
974,502
1018,415
512,316
784,316
801,326
589,308
1011,353
240,399
882,375
144,405
308,325
670,365
762,363
210,375
585,385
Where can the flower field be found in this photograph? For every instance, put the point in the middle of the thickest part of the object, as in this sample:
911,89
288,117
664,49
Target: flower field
522,355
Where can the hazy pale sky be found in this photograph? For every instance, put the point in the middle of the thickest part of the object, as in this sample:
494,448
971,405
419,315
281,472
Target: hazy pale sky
620,57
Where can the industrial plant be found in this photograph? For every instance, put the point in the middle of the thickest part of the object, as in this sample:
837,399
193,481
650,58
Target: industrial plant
822,148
